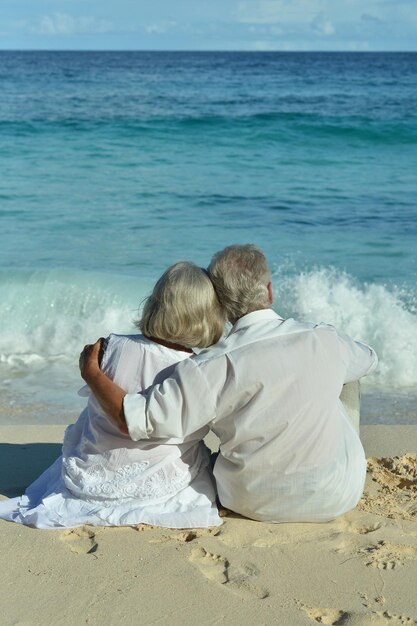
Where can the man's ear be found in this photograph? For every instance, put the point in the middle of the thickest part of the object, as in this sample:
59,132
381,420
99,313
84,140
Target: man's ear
270,296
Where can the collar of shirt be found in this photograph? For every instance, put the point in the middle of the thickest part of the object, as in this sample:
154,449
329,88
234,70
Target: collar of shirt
256,317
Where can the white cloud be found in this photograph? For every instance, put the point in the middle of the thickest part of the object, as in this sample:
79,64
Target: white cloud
275,11
261,12
64,24
358,46
367,17
263,46
58,24
160,28
322,25
212,24
277,30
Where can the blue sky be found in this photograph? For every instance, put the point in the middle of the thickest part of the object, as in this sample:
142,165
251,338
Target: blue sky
209,24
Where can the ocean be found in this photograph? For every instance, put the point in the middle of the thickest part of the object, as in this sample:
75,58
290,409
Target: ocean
114,165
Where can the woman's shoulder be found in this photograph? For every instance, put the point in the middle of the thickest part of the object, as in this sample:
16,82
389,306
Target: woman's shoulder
133,361
133,347
115,339
115,344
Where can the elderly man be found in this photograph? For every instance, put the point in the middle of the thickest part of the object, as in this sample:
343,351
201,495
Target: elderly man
270,392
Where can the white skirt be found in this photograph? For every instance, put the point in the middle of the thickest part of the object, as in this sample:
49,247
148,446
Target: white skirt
47,503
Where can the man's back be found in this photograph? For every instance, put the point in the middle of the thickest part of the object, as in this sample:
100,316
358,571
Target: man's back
288,451
270,391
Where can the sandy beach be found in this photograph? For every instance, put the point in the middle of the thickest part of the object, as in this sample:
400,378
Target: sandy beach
357,570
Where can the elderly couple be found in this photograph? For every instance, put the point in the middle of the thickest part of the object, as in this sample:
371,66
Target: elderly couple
269,390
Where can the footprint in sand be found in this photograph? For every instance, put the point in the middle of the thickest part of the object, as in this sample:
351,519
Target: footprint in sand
332,617
337,617
366,526
185,536
365,530
213,566
80,540
385,555
218,569
381,553
189,535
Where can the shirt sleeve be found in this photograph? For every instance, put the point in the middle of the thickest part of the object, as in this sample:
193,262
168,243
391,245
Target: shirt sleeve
359,358
178,407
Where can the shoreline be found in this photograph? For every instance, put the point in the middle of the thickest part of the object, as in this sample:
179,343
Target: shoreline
357,570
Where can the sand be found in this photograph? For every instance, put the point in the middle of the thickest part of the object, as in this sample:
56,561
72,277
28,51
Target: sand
360,569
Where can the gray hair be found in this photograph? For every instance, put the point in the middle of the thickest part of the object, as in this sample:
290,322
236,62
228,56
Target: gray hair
183,308
240,276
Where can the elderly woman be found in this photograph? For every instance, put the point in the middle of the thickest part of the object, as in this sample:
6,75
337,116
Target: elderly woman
103,477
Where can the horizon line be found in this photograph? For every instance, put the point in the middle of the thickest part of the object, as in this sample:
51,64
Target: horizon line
207,51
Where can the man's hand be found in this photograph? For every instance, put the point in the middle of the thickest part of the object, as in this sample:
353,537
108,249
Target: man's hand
89,360
109,395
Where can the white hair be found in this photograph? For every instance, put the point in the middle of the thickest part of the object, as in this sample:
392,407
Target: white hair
183,308
240,276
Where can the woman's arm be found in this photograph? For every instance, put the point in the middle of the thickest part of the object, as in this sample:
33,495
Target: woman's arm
109,395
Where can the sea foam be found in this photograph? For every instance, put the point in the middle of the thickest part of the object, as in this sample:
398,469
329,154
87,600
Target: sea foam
47,317
384,318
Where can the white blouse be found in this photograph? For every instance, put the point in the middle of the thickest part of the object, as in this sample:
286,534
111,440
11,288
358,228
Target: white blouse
105,478
270,391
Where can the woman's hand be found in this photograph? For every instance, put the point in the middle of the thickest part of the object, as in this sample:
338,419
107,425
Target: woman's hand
89,360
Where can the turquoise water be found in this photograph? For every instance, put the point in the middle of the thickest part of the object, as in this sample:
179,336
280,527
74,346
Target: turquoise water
115,165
